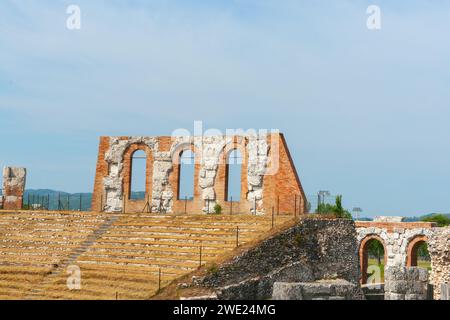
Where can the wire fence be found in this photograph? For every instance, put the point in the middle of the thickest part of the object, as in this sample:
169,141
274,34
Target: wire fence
57,201
82,202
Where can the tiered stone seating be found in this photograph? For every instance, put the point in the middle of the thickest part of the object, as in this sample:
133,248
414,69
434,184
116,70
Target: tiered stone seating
120,256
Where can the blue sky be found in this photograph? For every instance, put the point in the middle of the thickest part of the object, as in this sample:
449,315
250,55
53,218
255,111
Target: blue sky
365,113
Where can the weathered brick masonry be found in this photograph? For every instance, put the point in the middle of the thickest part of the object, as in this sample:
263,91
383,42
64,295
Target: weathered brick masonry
268,177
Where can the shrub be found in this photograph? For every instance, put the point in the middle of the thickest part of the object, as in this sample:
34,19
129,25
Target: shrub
213,269
217,209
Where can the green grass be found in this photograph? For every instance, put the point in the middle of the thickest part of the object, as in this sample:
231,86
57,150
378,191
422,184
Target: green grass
421,263
374,262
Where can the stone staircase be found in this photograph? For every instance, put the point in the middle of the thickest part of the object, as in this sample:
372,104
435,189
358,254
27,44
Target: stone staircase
126,256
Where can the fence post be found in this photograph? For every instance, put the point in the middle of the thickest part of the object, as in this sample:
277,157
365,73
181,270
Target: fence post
231,205
254,206
68,202
159,279
81,199
59,201
278,205
185,204
295,205
273,215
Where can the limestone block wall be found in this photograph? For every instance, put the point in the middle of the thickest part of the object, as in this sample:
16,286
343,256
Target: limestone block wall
395,237
439,248
405,283
319,290
400,240
14,180
268,178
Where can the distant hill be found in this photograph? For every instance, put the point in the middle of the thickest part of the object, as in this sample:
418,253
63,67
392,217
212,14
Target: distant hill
60,200
414,219
54,200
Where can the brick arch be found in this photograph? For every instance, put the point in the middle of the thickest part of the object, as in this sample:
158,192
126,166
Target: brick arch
364,256
181,205
222,175
136,205
411,250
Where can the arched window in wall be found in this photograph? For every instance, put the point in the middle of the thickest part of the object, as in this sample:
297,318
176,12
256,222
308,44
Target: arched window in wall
372,260
138,175
233,176
186,173
418,255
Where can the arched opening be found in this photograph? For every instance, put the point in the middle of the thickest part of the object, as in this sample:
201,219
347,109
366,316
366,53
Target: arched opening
138,175
418,255
372,259
233,170
186,175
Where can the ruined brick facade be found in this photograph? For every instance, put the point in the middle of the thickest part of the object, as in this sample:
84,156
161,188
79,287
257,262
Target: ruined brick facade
268,177
13,188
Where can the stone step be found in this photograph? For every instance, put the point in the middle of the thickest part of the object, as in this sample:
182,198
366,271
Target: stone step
172,244
185,265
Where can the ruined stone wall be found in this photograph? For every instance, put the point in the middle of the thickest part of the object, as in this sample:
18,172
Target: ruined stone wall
439,248
405,283
319,290
399,240
312,250
395,237
268,180
13,187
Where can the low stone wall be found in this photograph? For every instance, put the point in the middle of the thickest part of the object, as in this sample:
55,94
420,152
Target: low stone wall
320,290
403,283
312,250
439,248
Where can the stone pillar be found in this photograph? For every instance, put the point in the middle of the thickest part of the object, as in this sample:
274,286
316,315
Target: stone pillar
439,248
13,187
445,291
403,283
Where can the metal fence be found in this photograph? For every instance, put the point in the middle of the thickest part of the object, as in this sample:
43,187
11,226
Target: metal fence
57,201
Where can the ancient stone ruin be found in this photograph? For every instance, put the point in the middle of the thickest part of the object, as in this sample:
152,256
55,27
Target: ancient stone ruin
269,181
401,241
13,188
405,283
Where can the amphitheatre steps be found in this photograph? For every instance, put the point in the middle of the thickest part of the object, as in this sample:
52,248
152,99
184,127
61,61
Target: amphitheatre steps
122,255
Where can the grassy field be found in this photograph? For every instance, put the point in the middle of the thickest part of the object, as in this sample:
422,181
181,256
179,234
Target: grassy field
374,262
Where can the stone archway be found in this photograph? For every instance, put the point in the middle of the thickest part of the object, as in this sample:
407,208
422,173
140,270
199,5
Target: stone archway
364,254
412,249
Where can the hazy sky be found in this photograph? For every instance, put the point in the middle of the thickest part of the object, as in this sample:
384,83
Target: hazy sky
365,113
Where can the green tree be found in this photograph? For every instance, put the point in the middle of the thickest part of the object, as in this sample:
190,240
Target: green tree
376,250
441,219
422,251
337,209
